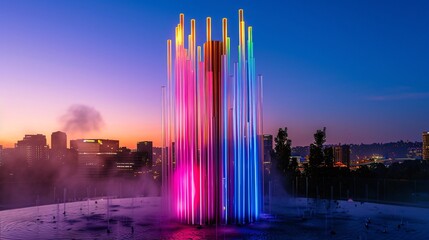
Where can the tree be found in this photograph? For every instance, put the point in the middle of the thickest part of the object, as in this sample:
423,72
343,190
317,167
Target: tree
329,156
293,168
282,150
316,149
293,165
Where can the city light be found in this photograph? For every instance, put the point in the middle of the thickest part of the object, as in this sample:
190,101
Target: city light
212,128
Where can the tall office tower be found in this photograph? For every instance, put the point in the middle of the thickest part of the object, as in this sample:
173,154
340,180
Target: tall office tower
33,149
146,148
58,141
59,153
342,155
425,150
212,113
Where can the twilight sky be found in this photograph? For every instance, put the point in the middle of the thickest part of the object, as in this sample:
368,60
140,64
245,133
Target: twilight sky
360,68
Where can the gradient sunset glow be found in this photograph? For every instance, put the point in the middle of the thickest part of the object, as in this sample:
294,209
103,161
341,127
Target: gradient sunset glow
360,68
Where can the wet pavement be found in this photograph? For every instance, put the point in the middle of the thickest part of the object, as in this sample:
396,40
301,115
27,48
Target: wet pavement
286,218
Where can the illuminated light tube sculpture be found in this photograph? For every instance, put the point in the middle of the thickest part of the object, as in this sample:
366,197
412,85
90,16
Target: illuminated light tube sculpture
212,129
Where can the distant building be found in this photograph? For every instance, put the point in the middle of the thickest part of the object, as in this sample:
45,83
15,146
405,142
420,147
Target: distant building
125,161
415,153
146,148
90,146
296,158
425,149
157,162
132,163
342,155
268,147
96,157
58,141
10,156
59,154
32,149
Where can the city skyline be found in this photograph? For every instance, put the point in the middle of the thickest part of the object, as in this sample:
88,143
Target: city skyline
62,142
364,64
134,146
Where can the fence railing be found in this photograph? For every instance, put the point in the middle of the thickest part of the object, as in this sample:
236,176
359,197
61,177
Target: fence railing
409,192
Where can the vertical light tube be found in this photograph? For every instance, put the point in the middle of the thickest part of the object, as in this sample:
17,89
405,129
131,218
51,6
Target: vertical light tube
212,128
200,97
224,122
168,126
260,99
182,28
224,35
193,46
164,145
209,29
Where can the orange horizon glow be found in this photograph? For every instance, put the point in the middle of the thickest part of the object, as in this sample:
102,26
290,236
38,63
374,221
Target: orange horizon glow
128,140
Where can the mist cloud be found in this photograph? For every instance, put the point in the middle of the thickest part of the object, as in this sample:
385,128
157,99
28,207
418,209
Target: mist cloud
81,118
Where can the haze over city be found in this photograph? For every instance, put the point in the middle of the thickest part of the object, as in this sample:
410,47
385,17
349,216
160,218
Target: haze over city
360,69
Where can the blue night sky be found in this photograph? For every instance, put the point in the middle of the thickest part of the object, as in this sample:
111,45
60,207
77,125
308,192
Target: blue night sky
360,68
